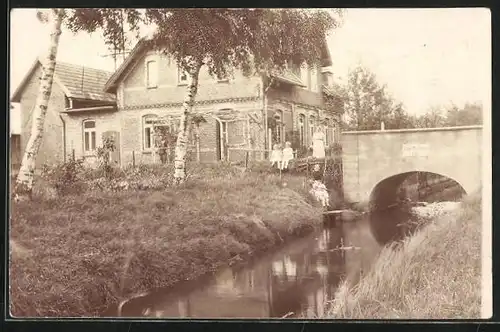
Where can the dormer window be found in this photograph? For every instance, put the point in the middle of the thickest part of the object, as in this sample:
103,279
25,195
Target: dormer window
182,76
151,74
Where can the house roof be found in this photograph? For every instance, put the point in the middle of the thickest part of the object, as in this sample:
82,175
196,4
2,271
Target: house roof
75,80
113,80
327,90
287,77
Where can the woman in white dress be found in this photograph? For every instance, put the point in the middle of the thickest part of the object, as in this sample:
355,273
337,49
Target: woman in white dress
318,144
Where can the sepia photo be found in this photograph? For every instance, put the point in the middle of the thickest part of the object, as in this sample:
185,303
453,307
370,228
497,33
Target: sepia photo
255,163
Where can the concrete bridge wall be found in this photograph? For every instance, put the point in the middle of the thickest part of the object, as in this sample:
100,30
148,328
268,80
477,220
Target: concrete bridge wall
370,157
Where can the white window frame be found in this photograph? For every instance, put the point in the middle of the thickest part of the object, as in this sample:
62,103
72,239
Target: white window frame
181,73
149,126
302,129
280,126
151,84
327,132
88,147
312,126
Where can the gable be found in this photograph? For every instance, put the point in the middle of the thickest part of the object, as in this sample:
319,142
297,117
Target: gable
76,81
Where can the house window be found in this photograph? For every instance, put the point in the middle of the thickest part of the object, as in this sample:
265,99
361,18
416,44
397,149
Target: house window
327,132
89,136
148,131
312,121
302,120
182,76
152,74
278,131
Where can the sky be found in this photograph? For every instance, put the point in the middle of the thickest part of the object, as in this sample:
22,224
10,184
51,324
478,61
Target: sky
426,57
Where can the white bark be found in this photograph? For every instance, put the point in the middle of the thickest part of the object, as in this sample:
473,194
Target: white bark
25,178
198,157
182,136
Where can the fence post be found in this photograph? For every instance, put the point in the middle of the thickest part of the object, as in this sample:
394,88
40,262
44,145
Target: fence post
246,159
73,154
133,158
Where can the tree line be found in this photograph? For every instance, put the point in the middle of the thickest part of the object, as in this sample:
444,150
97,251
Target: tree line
367,104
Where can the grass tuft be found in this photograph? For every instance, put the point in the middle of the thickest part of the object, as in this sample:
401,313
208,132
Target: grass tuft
433,274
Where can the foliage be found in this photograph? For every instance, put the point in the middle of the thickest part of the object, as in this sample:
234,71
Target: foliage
451,116
470,114
254,40
65,177
367,103
104,158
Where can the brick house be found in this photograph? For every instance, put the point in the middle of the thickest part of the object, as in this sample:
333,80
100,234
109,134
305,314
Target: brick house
150,86
74,87
149,90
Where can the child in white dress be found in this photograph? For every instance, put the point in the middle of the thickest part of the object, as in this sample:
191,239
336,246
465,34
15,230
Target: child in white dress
276,156
287,154
319,191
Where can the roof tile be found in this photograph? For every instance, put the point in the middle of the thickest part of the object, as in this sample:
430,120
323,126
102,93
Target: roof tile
84,82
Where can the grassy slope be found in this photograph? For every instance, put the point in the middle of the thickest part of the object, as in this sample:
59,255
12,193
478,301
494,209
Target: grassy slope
434,274
77,254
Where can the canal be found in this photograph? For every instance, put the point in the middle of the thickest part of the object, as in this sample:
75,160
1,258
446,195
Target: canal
295,280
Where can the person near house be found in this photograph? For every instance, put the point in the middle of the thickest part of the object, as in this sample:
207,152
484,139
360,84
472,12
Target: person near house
287,155
319,191
276,156
318,144
162,150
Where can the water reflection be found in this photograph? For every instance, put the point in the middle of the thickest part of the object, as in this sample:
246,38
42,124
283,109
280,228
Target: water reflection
299,278
390,225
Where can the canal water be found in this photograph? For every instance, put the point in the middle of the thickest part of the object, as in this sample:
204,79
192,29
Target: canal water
295,280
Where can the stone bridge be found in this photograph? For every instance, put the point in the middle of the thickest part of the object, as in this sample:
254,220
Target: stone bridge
376,162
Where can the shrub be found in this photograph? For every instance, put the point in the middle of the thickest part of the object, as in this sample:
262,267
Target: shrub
103,156
65,177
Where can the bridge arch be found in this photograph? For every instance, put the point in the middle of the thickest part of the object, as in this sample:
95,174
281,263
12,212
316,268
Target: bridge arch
387,191
370,157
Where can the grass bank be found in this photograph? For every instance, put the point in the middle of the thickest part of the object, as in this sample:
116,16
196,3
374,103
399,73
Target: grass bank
76,254
433,274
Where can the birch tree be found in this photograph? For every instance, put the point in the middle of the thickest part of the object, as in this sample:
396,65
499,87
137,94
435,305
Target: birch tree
25,178
255,41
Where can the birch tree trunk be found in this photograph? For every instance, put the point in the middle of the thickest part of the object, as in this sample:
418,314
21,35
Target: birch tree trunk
198,157
182,136
25,178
